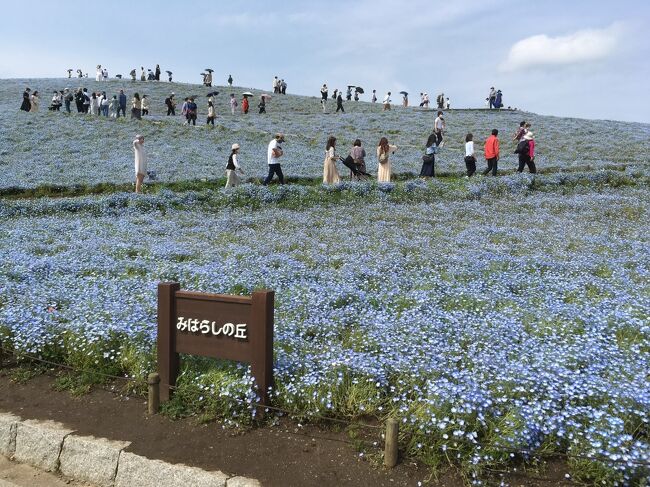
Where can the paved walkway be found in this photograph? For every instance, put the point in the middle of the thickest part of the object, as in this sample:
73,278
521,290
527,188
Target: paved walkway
14,474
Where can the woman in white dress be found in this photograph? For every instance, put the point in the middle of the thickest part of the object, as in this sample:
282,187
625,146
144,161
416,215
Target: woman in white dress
330,173
384,149
140,162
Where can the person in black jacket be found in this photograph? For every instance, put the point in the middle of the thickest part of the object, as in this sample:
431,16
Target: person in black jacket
157,72
339,103
26,104
171,105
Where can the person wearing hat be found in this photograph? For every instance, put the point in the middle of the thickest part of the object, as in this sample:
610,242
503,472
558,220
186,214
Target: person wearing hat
140,162
233,167
274,153
526,152
492,98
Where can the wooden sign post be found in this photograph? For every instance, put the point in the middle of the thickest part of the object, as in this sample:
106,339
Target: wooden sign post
222,326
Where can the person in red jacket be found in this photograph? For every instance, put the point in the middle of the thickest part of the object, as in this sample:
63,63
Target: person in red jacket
244,105
492,153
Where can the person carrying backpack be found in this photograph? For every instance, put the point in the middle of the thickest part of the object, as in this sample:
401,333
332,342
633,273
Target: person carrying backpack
526,152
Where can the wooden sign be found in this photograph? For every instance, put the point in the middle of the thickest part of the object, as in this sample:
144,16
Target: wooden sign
222,326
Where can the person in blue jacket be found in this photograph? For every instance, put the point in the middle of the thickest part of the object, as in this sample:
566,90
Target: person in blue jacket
122,107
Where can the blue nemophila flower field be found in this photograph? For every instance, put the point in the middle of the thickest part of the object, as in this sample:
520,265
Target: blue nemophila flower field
488,316
59,149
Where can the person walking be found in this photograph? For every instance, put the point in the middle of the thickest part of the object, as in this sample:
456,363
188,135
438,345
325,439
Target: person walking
140,162
374,96
358,155
330,172
192,112
274,153
348,94
79,100
86,100
323,96
171,105
136,107
233,103
186,102
429,158
491,150
233,168
492,98
521,131
470,158
339,103
387,101
498,100
114,107
276,85
103,104
143,76
98,73
230,80
211,114
122,104
94,104
384,149
34,101
526,152
26,105
262,104
405,99
68,97
157,72
283,86
145,105
439,128
426,100
244,105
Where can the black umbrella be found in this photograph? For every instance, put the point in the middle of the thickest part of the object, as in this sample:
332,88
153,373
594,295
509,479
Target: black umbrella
202,74
118,76
403,93
169,73
351,86
359,90
213,93
209,70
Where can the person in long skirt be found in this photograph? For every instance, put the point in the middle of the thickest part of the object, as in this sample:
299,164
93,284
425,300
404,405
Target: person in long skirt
140,162
34,100
233,167
26,105
429,158
136,107
384,149
330,173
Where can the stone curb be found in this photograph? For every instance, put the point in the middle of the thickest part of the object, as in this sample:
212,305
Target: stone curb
52,447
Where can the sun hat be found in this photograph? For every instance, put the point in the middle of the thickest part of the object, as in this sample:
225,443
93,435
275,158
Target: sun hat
235,146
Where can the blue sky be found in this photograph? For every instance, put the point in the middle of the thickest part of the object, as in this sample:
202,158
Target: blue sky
568,58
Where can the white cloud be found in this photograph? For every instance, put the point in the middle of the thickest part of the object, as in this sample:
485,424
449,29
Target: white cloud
579,47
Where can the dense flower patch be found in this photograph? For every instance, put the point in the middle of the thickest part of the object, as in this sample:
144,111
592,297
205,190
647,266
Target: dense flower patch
489,318
56,149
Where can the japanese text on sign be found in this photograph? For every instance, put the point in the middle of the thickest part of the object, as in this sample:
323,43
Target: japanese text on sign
207,327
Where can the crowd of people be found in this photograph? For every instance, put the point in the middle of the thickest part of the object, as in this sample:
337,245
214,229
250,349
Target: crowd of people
356,157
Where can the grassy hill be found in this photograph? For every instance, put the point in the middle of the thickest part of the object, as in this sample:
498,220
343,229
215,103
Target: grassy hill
57,149
502,320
